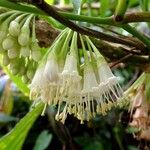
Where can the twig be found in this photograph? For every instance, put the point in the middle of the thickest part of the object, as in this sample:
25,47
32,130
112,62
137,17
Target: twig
120,60
53,13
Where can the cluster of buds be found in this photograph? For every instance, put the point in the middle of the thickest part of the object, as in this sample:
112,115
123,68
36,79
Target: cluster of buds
18,43
77,80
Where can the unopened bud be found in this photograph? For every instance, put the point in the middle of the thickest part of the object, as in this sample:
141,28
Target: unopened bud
24,36
6,59
3,35
14,28
13,53
30,74
22,70
8,43
25,51
14,67
25,79
1,49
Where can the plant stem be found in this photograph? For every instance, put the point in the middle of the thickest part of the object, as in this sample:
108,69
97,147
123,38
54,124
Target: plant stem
134,32
121,8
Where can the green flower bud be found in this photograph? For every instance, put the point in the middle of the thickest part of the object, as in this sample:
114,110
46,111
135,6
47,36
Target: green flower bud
30,73
14,28
1,49
8,43
22,70
6,59
25,79
14,52
3,35
25,51
14,66
35,52
15,71
24,36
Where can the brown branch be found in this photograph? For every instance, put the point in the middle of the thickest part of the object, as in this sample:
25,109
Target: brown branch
46,35
92,33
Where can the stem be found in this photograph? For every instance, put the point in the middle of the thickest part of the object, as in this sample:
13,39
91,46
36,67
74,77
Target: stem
121,8
130,17
134,32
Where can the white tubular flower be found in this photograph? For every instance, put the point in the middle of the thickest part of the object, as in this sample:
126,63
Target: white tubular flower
51,70
109,88
109,81
70,72
37,83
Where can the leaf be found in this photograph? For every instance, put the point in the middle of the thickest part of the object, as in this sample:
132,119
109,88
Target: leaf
50,1
95,145
15,138
21,7
104,7
43,140
131,147
132,130
16,79
76,5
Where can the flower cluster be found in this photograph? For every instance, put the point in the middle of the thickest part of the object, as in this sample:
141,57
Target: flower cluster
18,43
77,80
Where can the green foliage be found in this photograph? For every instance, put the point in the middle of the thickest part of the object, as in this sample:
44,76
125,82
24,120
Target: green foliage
43,140
20,7
104,7
14,140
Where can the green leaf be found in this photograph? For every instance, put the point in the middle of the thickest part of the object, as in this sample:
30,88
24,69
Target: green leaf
132,130
43,140
104,7
15,139
131,147
50,1
21,7
76,5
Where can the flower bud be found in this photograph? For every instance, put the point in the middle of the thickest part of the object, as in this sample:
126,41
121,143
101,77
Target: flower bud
14,28
14,67
6,59
35,52
36,55
13,53
25,79
3,35
30,73
22,70
25,51
24,36
1,49
8,43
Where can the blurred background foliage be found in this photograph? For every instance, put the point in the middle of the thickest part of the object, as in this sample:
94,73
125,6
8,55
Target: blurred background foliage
110,132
